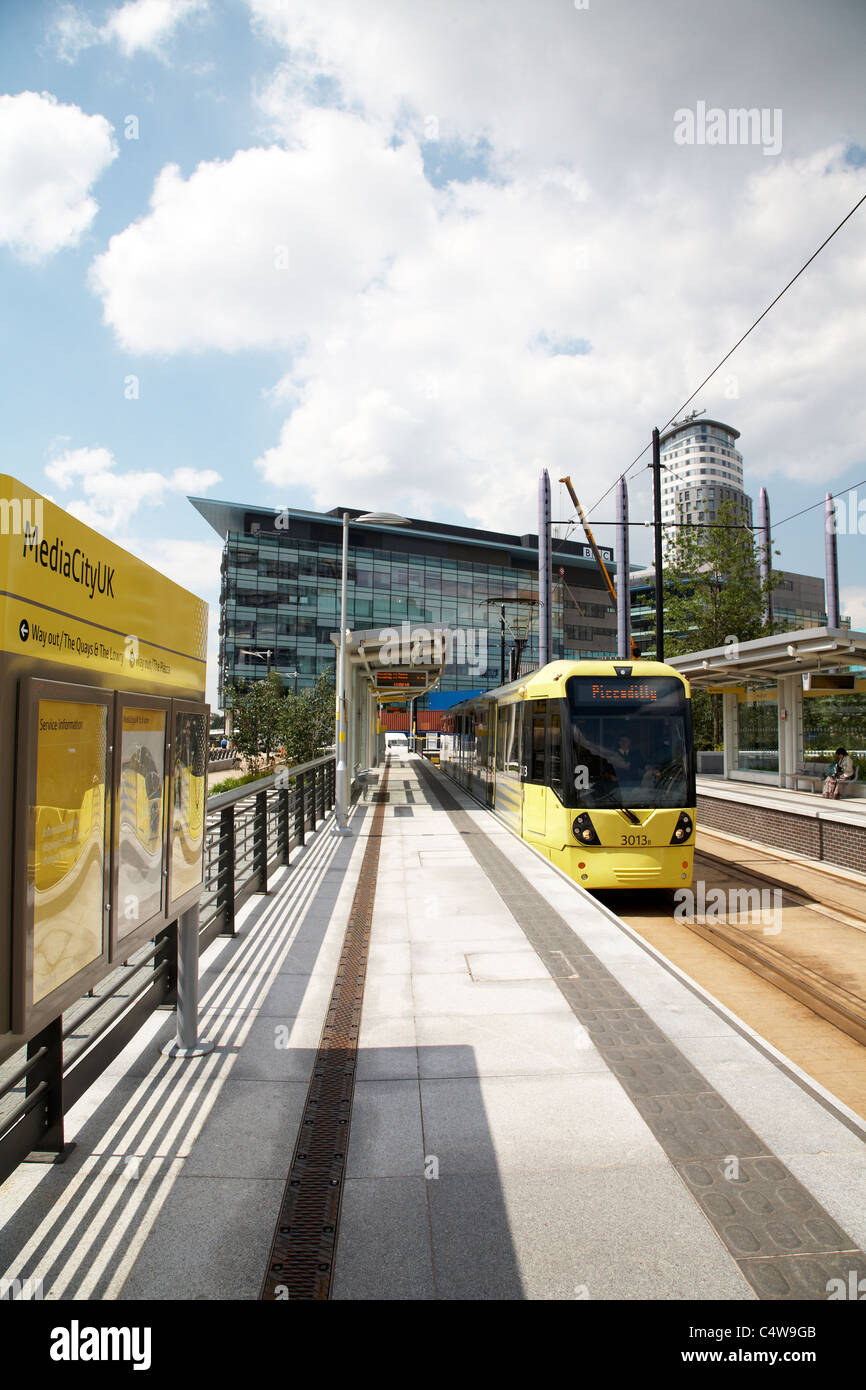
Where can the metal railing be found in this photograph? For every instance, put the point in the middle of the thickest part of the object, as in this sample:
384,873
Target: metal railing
250,831
253,829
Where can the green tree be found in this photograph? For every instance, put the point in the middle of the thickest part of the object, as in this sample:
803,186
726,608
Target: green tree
257,720
712,596
308,721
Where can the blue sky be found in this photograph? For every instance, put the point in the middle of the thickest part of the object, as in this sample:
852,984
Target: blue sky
405,256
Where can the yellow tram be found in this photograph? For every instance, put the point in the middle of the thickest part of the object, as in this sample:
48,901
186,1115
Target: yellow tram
592,763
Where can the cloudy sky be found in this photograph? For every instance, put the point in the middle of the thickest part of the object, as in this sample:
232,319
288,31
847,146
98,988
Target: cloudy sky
384,253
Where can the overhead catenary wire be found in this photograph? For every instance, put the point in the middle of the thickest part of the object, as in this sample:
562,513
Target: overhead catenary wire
741,526
730,353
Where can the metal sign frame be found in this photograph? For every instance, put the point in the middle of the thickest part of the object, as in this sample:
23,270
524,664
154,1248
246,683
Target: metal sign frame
145,929
29,1015
176,905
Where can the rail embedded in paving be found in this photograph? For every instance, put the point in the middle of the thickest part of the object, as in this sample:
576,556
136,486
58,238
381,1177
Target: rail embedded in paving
250,832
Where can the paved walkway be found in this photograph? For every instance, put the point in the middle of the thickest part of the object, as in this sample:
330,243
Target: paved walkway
542,1107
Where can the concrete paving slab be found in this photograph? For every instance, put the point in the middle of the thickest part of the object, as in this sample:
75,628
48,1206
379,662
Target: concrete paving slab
388,958
210,1241
81,1229
624,1233
506,965
386,1139
455,994
504,1045
445,927
533,1123
268,1050
384,1250
388,996
387,1050
250,1132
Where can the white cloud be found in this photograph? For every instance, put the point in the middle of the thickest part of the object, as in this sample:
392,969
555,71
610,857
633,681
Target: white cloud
50,156
139,26
595,87
424,322
145,25
72,31
261,249
419,324
111,499
437,391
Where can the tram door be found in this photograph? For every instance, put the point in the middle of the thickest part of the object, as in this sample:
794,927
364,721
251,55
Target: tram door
534,789
492,735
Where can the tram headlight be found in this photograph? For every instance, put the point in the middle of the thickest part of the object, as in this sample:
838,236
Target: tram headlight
584,830
684,828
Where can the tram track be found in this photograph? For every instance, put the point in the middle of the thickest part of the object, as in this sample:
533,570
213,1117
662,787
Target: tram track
796,973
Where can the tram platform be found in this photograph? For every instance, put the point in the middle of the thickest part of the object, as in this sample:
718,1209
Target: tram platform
796,823
544,1108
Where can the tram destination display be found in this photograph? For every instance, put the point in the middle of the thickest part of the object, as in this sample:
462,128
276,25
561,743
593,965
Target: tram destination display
593,691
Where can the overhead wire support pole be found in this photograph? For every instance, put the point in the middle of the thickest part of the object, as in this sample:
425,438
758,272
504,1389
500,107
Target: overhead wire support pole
623,589
657,523
545,578
595,550
831,562
341,803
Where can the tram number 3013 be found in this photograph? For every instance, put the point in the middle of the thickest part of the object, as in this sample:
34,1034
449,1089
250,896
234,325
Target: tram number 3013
634,839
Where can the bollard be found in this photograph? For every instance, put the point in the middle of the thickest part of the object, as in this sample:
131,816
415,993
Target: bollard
187,1043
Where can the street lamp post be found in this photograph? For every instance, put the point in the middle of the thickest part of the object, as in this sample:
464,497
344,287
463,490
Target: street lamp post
341,781
246,651
341,797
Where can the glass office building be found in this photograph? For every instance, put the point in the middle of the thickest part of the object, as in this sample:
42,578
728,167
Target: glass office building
280,592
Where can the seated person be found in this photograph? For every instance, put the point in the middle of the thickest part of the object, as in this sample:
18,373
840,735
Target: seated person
628,759
841,771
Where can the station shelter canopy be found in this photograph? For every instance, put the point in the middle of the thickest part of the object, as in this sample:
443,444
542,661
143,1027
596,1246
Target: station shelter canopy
813,661
387,666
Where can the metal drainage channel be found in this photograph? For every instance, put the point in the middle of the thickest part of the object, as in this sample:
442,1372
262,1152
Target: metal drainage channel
783,1241
301,1262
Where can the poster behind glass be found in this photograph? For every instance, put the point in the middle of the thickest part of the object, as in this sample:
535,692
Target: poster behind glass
66,850
189,789
140,817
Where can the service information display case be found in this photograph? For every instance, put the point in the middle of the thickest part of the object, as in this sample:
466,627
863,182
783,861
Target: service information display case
103,757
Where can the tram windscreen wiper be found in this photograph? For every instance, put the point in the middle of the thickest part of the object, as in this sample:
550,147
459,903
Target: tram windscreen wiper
635,820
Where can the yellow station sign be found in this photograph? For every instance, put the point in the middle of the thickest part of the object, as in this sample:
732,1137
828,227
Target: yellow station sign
74,598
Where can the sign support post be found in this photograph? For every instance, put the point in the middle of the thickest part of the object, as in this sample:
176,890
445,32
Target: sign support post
187,1043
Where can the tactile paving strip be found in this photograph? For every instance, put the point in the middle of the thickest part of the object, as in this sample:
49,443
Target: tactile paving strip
301,1262
784,1242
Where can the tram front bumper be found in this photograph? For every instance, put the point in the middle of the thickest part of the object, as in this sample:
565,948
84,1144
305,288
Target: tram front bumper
601,866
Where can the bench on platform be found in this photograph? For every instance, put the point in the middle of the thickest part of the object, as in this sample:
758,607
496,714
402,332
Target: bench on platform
806,773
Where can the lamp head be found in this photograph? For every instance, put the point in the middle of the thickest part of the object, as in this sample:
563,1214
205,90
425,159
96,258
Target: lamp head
383,519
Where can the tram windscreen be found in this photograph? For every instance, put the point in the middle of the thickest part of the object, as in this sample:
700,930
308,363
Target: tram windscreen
631,742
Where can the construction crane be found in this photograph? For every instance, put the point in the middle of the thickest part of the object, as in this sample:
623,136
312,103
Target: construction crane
596,553
567,588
